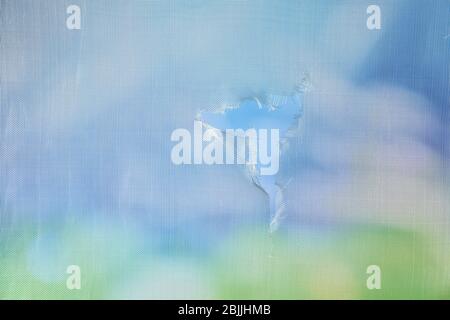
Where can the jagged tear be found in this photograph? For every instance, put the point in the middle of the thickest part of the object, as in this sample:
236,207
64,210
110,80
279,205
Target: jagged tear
270,111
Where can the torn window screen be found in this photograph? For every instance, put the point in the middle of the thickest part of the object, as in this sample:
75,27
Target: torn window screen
268,111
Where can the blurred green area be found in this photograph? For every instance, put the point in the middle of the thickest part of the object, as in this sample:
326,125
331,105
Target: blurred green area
333,267
249,264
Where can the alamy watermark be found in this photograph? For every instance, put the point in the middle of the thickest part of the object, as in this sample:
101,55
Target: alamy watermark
73,281
232,146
